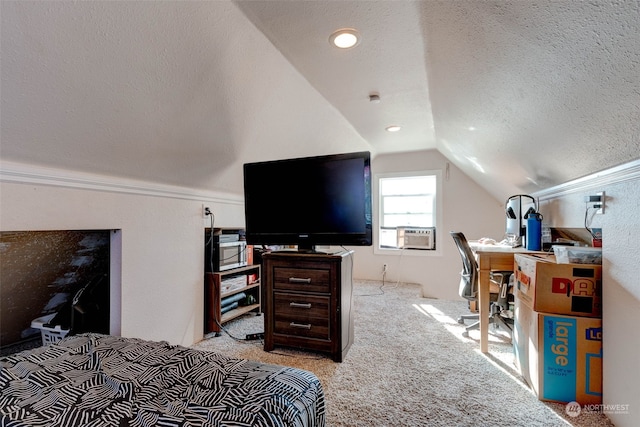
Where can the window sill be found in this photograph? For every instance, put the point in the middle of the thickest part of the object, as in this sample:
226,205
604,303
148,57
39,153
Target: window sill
407,252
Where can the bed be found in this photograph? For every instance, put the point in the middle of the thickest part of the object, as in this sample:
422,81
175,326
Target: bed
101,380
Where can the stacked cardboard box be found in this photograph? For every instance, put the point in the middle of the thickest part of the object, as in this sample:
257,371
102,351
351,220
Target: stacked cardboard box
557,337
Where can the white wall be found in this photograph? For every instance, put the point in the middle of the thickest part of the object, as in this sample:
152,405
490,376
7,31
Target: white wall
162,238
466,207
621,276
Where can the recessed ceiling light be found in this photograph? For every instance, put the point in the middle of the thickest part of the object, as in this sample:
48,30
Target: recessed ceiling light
393,128
345,38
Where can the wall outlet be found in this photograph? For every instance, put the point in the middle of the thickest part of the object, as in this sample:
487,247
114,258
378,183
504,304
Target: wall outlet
600,209
385,268
206,211
596,201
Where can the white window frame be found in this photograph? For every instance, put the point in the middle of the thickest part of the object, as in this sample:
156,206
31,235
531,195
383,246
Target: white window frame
378,208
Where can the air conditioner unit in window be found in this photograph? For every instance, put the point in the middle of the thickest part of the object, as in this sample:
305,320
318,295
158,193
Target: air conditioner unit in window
417,238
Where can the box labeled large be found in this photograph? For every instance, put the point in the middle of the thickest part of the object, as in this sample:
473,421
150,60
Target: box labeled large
559,356
572,289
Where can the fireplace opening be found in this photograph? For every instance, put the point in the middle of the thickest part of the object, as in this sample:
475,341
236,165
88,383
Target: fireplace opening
61,276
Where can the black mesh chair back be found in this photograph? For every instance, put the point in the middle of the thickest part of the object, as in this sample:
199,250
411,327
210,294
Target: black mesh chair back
469,275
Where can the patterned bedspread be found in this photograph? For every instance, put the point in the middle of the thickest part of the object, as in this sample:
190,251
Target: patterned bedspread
99,380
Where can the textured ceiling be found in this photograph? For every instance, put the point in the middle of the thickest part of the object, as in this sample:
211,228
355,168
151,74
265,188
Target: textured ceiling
389,61
520,95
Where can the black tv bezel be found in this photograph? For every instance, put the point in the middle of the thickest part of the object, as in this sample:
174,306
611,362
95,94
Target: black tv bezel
305,241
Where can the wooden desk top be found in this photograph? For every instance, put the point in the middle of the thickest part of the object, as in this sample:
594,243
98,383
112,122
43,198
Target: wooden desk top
497,257
482,247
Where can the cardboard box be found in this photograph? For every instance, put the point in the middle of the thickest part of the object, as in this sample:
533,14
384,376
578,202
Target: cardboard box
549,287
559,356
577,255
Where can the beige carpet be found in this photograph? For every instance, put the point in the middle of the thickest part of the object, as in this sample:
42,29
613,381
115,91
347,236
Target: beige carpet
410,366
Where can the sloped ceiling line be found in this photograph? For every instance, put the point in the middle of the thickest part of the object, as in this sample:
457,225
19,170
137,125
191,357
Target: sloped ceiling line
523,95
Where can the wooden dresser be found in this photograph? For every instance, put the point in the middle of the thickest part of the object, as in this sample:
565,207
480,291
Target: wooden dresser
308,302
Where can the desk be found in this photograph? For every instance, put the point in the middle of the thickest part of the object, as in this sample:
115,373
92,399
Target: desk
490,257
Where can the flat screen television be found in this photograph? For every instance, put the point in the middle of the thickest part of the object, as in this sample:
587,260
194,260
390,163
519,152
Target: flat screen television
310,201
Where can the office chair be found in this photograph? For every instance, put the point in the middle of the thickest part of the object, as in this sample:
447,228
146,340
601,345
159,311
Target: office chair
501,308
468,288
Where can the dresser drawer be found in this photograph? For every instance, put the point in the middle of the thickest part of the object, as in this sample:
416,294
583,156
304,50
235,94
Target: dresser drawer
302,279
301,315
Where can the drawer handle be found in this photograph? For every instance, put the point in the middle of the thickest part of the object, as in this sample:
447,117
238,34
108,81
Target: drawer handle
299,305
300,325
299,280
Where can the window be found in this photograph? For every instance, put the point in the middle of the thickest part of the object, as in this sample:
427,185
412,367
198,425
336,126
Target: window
405,200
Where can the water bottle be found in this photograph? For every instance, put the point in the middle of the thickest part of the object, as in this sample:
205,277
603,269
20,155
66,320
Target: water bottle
534,231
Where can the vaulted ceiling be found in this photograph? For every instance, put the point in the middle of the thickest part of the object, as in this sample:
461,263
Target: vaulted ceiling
520,95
